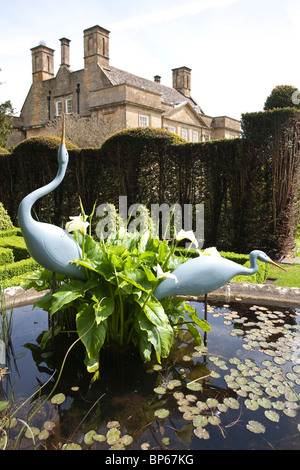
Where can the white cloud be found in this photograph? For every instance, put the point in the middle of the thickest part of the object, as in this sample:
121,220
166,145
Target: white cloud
169,14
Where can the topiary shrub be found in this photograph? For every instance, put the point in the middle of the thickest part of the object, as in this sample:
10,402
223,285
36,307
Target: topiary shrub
5,221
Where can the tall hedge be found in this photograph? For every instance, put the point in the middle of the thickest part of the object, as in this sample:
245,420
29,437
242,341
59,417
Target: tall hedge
249,186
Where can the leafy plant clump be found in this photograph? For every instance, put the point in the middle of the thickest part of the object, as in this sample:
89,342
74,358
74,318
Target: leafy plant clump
116,304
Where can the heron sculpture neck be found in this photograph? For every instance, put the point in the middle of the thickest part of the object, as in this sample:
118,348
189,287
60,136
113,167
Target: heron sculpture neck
25,209
50,246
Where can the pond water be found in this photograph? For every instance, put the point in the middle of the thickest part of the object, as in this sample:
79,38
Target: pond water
239,390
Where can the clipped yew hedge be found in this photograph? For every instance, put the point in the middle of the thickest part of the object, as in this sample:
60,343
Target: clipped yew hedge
249,186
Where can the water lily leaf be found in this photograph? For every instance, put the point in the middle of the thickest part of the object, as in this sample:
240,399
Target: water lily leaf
58,399
251,405
173,383
162,413
71,446
255,427
44,434
231,403
201,433
290,412
126,440
200,421
214,420
31,432
113,424
264,402
212,402
118,446
49,425
99,438
88,437
160,390
3,405
194,386
272,415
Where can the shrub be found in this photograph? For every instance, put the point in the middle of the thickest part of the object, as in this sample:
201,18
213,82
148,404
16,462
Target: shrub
16,269
17,245
6,256
5,221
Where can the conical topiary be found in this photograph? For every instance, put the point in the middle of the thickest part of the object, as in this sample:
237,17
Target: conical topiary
5,221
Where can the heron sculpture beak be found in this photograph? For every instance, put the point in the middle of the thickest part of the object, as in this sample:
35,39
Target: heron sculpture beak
277,265
63,140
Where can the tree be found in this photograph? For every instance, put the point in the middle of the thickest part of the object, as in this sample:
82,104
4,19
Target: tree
283,96
6,122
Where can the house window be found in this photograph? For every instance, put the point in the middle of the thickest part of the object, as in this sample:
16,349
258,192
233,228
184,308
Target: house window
184,134
195,136
58,108
172,129
206,137
143,120
69,106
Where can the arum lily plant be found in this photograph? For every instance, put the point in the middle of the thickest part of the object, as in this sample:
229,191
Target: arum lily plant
116,303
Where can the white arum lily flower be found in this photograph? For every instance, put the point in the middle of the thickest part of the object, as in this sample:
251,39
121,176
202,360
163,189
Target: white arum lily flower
182,234
212,251
162,275
123,232
77,223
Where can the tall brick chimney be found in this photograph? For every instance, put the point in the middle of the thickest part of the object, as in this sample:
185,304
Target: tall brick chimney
65,52
182,80
42,63
96,46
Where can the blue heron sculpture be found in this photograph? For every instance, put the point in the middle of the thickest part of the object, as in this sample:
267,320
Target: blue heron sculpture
50,246
205,274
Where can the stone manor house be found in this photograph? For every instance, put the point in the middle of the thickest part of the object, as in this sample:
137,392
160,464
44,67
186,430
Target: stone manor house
114,98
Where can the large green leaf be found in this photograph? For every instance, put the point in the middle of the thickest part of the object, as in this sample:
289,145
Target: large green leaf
154,311
104,309
104,268
91,334
137,277
66,294
161,338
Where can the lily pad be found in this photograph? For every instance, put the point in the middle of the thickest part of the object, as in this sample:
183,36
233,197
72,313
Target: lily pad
194,386
201,433
160,390
255,427
251,405
212,402
88,438
200,421
272,415
58,399
162,413
231,403
72,446
126,439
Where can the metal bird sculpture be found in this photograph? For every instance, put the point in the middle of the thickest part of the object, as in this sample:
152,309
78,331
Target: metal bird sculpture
205,274
50,246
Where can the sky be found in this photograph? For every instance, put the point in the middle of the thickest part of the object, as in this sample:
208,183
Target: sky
238,50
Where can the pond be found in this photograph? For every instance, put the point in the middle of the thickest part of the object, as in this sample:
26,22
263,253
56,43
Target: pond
240,389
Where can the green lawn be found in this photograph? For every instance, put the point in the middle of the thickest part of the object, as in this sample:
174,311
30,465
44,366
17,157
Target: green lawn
288,278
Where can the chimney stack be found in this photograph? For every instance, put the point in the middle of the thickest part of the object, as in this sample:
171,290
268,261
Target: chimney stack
182,80
157,78
65,52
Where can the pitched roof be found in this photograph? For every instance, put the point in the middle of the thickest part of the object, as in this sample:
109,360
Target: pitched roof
169,95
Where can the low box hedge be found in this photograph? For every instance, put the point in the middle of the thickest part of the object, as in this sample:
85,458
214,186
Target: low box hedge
16,231
17,269
17,245
6,256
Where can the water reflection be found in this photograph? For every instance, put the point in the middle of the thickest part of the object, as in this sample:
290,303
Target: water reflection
201,397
